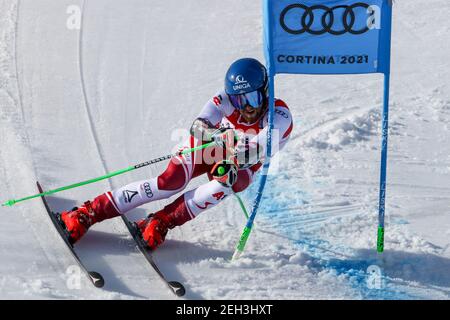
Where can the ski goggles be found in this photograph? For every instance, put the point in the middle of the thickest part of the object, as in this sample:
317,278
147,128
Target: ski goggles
254,99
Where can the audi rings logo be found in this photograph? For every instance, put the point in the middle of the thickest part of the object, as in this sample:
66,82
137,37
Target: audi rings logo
148,190
338,20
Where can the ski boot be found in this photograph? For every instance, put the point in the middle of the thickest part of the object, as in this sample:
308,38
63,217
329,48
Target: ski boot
154,228
80,219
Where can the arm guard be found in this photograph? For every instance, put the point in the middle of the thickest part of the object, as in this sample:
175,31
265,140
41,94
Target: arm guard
203,129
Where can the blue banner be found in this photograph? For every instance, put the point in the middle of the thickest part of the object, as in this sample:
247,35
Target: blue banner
327,36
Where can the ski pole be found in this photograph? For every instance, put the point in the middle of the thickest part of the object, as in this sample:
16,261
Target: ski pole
250,222
241,203
247,229
12,202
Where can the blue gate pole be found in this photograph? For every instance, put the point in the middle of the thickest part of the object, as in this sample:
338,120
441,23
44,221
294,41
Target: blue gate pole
384,150
265,171
268,16
386,48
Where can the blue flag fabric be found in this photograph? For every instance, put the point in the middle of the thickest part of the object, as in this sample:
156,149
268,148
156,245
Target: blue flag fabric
327,36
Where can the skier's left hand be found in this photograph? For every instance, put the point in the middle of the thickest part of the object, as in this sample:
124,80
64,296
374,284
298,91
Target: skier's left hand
225,172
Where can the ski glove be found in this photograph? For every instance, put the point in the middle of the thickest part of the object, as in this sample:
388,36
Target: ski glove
204,130
225,172
223,137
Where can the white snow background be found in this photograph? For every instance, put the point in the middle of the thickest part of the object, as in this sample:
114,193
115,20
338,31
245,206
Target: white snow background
125,87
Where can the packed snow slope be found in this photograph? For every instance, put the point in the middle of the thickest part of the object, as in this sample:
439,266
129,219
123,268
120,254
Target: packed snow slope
125,87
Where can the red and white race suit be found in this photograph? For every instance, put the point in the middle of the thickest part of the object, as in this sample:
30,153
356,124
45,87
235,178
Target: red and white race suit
179,172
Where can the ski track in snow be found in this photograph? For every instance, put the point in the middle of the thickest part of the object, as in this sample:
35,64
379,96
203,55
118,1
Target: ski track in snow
305,223
321,255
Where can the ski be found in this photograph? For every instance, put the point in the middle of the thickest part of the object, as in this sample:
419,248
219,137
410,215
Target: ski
176,287
95,278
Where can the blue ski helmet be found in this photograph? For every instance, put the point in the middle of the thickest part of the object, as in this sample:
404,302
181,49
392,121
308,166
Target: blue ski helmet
246,82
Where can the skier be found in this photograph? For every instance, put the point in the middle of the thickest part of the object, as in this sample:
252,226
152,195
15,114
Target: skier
236,119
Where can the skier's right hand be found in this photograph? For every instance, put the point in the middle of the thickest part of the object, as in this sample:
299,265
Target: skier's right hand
223,137
204,130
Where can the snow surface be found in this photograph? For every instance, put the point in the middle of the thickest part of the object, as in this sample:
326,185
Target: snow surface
123,89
